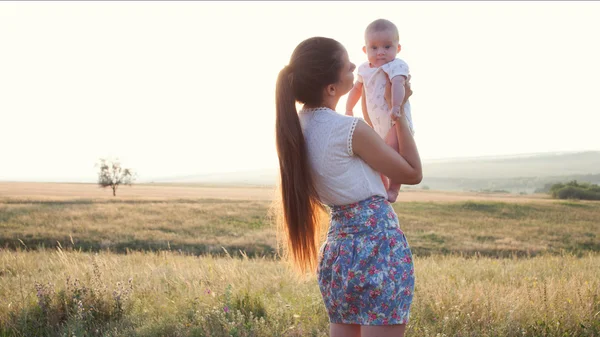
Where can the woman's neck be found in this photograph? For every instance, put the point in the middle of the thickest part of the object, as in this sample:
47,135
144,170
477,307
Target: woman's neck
330,103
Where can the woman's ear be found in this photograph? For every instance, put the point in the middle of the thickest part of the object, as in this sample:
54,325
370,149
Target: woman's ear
330,90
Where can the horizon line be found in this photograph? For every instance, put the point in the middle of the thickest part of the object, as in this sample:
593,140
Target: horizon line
81,180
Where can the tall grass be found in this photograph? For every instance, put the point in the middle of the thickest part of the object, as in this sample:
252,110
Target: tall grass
57,293
208,268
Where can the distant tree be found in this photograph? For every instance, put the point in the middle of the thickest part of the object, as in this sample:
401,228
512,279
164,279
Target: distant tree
575,190
113,175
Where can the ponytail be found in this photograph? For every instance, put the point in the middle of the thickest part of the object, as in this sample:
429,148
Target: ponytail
300,219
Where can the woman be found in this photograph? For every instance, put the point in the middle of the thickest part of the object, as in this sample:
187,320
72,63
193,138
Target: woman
365,269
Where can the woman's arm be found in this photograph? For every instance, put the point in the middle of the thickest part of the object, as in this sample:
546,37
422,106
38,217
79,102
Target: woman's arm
403,167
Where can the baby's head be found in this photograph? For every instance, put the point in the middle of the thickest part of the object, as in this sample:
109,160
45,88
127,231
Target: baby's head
381,42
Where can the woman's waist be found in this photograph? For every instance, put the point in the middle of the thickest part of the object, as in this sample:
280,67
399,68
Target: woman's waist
366,217
361,232
340,191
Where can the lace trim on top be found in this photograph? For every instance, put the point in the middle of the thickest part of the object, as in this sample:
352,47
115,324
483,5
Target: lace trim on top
350,135
316,109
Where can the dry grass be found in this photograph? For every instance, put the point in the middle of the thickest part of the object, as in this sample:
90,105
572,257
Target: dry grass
177,295
486,266
200,226
197,227
501,229
63,191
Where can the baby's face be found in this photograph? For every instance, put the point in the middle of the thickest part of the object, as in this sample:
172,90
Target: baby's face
381,47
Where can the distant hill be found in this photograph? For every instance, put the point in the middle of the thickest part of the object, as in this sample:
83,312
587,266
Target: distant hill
533,165
516,174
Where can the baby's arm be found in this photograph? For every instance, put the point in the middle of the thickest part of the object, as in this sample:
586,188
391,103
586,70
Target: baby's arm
353,97
398,93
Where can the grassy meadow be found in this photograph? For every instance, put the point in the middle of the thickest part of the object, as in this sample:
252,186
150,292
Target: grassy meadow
199,226
134,266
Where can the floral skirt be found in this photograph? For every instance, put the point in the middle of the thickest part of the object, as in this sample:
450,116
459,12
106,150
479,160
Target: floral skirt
366,273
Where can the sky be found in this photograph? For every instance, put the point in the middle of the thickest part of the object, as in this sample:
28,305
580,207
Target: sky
185,88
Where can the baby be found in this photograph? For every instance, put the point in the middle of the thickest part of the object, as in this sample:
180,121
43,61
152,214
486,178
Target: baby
381,82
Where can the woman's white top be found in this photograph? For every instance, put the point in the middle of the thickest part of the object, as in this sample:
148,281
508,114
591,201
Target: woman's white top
339,175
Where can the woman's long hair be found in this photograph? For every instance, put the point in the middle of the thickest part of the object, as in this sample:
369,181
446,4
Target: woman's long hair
315,63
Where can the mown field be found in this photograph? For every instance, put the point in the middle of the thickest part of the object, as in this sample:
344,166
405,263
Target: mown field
199,226
83,265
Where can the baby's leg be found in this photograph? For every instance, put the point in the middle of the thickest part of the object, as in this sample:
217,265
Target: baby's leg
391,139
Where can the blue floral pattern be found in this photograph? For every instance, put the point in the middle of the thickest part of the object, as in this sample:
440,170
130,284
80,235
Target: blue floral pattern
366,272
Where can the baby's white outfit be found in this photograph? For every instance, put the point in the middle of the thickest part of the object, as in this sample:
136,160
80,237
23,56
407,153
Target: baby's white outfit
374,81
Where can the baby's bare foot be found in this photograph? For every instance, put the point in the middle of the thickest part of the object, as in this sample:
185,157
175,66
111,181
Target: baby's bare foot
392,195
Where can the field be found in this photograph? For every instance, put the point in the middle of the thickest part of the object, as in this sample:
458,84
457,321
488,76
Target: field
197,260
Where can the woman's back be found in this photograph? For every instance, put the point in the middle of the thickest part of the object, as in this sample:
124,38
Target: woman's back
339,176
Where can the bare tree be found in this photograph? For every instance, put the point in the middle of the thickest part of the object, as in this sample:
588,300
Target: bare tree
113,175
